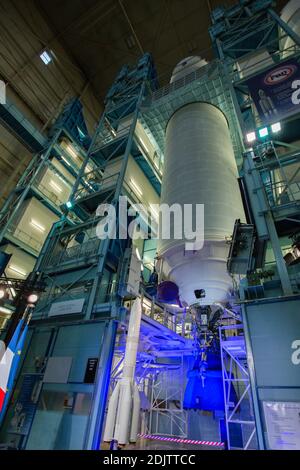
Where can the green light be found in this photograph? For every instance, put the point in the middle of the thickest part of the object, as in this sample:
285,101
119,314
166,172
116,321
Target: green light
69,205
263,132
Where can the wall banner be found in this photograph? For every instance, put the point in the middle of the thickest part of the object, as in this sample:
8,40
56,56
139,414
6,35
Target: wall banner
276,92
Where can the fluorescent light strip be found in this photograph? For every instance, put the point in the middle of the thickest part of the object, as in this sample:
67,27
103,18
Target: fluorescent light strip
46,58
5,310
17,270
65,160
71,151
37,226
136,187
144,145
55,186
88,169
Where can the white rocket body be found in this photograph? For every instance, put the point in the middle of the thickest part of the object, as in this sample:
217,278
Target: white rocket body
124,404
200,168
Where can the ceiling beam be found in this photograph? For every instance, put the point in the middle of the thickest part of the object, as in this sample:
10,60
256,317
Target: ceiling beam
131,27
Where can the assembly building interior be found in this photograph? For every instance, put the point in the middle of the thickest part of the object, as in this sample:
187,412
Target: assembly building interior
149,225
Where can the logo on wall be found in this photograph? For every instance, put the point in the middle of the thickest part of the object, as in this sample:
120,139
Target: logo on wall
273,91
280,75
295,358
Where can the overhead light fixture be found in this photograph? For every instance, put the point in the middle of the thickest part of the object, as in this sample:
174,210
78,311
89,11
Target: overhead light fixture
65,160
55,186
251,137
88,169
37,226
17,270
147,302
71,151
46,57
144,146
263,132
136,187
5,310
276,127
69,204
156,164
82,134
2,292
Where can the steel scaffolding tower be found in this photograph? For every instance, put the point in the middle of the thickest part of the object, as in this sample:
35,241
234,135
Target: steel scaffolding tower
167,415
251,39
70,125
236,376
81,271
44,188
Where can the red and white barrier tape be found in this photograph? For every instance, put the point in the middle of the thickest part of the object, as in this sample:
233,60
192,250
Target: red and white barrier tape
181,441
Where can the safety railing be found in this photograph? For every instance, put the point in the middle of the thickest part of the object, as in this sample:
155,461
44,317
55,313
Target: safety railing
50,194
281,193
64,294
96,185
77,252
179,323
252,64
183,81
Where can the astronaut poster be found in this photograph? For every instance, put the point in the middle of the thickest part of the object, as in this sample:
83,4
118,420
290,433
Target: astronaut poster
276,92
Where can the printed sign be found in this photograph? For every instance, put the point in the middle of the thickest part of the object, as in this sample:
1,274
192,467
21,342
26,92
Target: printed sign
276,92
66,308
283,425
90,371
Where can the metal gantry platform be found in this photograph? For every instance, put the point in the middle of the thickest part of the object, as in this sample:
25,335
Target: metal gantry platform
51,165
79,267
21,128
282,188
209,84
76,265
239,416
70,125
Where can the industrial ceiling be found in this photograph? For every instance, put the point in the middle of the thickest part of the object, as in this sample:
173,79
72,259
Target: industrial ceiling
89,41
102,35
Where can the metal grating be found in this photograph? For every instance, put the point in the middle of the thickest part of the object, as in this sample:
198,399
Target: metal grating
208,84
